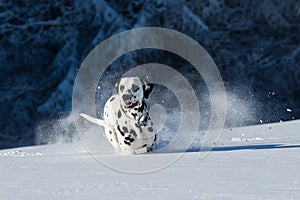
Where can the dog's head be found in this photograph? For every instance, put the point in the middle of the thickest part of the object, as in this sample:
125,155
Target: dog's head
132,91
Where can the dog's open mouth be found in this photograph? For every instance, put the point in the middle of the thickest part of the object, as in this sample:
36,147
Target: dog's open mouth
131,104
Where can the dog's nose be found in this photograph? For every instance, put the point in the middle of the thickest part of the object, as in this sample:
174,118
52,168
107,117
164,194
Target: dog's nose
126,97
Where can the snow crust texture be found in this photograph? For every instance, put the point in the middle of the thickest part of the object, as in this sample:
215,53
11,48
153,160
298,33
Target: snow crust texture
258,170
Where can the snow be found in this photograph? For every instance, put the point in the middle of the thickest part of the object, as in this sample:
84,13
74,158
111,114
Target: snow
256,162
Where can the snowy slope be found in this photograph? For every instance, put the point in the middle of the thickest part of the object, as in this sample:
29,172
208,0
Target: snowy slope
258,162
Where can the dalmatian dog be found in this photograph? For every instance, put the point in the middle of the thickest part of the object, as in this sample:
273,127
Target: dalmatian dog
127,123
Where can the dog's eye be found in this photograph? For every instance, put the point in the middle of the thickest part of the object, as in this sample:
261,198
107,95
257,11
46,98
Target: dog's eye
135,89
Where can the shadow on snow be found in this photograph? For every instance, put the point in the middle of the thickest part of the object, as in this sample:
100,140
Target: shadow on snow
249,147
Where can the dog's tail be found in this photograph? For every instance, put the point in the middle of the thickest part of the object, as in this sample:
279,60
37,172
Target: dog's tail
94,120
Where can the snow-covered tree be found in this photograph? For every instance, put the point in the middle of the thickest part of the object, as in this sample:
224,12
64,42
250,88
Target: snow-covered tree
254,43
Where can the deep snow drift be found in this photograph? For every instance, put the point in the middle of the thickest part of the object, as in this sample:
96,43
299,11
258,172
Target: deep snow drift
257,162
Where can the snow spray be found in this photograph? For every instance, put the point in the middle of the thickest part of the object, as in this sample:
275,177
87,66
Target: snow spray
97,61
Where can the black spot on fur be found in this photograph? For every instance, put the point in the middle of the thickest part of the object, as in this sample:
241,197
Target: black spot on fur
131,140
119,114
150,129
110,132
144,145
127,143
133,133
127,138
155,138
122,88
125,129
134,115
112,99
122,133
150,149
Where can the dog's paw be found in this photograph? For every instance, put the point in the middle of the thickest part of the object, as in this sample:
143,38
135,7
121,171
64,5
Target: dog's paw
141,150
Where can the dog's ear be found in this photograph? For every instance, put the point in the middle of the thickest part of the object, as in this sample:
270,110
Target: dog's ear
147,87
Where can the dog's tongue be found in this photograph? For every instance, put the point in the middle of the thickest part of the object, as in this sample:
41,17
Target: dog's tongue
129,104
